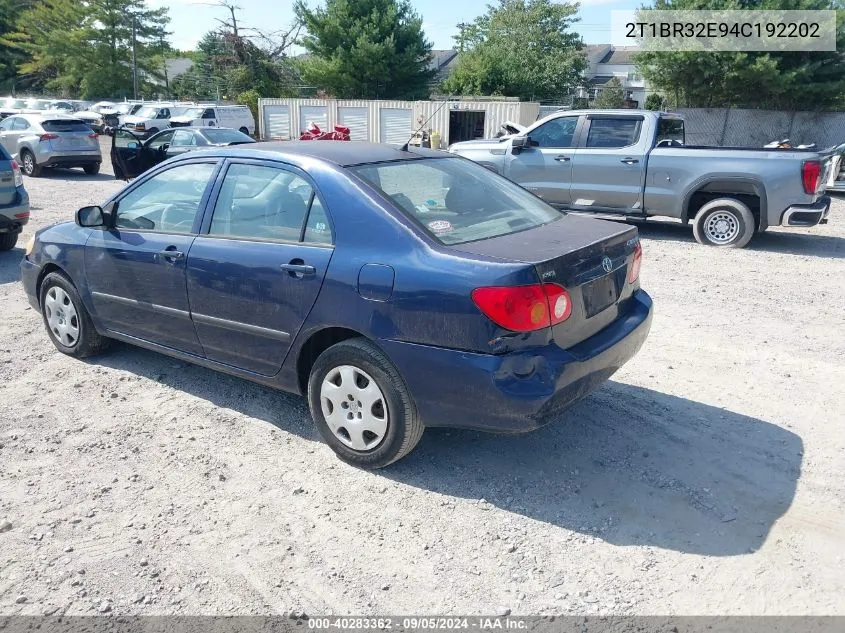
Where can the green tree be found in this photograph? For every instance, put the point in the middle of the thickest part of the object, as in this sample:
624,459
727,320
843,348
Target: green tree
769,80
520,48
85,48
611,95
654,101
366,49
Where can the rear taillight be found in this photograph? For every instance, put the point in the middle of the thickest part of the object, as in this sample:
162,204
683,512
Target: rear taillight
811,171
48,137
93,135
16,170
634,269
524,308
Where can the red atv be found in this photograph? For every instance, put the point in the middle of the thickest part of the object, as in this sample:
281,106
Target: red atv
314,133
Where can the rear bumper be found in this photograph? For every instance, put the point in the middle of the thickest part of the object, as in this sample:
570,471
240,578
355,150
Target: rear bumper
807,214
13,216
519,391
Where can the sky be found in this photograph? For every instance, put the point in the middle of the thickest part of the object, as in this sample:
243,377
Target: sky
190,19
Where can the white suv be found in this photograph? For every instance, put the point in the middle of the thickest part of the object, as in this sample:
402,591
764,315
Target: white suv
238,117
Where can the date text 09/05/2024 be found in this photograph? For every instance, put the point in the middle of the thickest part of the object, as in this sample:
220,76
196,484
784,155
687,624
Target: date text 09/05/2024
481,623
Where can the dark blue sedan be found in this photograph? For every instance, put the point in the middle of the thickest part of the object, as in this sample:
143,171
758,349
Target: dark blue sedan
395,288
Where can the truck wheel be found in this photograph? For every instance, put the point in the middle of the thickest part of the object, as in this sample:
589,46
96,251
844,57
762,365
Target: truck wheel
8,241
725,222
361,405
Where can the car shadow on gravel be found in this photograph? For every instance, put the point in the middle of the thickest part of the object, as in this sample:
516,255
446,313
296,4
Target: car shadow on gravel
627,465
814,244
72,175
10,265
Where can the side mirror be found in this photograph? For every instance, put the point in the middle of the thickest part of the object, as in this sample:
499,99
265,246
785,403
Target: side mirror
90,217
519,143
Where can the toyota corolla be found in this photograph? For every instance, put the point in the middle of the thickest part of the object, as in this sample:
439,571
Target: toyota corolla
395,289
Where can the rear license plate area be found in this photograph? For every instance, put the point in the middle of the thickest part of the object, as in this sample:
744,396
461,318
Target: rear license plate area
599,294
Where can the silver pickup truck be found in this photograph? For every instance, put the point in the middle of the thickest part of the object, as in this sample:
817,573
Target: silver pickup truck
635,164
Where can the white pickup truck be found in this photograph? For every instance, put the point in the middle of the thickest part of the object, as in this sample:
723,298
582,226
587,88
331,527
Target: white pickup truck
636,164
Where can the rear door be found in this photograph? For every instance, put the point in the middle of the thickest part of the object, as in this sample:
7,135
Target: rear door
255,273
545,167
608,169
136,270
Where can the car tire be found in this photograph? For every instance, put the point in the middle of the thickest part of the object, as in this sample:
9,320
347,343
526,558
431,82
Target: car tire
342,380
8,241
28,164
92,170
244,130
66,319
725,223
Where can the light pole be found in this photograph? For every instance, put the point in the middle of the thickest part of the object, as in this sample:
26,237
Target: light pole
134,57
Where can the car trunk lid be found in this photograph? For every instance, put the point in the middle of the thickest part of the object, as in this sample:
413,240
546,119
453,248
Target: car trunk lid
589,257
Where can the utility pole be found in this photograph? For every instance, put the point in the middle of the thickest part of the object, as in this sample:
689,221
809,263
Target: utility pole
134,56
164,58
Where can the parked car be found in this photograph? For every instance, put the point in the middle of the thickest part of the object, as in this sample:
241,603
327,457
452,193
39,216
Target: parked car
121,111
65,107
635,164
95,116
395,289
12,106
14,201
151,119
36,106
237,117
132,156
38,141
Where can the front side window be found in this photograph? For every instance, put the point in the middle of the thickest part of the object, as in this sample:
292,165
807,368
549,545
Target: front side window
166,203
183,138
614,133
557,133
7,124
259,202
162,139
208,114
455,200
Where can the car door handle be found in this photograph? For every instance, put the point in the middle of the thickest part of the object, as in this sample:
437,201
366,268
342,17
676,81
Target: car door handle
171,253
562,158
629,161
299,269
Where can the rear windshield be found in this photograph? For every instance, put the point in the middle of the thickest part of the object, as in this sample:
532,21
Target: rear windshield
65,126
222,135
457,201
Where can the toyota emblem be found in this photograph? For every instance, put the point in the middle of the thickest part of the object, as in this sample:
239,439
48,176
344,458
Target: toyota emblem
607,264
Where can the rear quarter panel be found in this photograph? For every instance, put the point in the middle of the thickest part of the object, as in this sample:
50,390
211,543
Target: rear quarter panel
675,173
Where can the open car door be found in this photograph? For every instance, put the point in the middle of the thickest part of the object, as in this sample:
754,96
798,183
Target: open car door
126,155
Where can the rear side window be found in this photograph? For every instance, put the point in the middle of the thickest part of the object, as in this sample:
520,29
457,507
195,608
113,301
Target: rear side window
20,124
610,133
266,203
456,200
670,132
65,126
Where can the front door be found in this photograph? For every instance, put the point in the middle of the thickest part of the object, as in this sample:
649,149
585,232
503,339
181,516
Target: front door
126,149
253,278
545,166
609,169
136,269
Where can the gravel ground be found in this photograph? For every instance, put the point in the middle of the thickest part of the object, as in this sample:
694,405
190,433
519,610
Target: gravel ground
705,478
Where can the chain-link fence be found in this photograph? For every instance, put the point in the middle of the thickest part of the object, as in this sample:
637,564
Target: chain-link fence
755,128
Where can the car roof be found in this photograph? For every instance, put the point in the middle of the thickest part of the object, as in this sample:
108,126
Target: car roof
40,118
341,153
